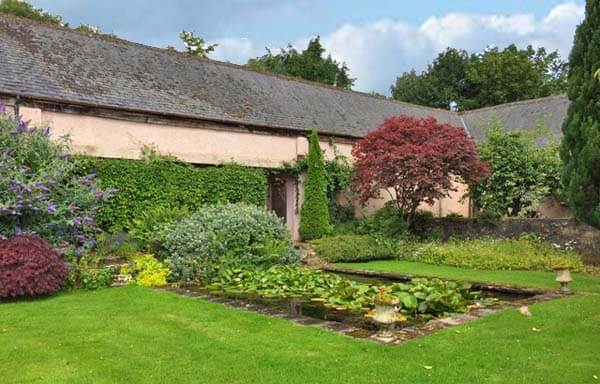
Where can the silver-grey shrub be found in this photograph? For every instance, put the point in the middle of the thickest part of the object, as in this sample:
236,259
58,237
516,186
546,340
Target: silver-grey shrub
225,236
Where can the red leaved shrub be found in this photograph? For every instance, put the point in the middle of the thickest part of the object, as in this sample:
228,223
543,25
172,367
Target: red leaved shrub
29,267
419,160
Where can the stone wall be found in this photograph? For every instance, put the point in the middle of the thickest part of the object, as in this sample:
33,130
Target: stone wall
583,238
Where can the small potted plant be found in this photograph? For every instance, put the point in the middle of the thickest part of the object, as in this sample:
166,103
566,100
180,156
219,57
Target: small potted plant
385,307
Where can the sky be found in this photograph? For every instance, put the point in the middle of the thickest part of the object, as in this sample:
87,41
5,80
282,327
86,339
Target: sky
377,39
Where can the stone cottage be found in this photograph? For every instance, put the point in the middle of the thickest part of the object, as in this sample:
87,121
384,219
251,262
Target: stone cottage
113,97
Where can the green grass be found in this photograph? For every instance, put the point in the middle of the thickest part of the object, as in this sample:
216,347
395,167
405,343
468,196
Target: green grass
581,282
139,335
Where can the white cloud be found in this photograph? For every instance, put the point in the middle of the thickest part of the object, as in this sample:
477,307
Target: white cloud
377,52
236,50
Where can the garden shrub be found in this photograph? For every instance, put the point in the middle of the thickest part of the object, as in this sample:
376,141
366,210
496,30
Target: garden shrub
341,213
120,245
525,253
354,248
87,273
29,267
149,226
523,172
420,226
227,235
40,191
159,181
147,271
314,214
386,222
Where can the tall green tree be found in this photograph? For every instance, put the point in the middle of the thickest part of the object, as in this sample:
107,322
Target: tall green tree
442,83
580,148
314,215
479,80
412,87
309,64
513,74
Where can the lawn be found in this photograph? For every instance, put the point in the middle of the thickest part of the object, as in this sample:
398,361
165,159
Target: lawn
140,335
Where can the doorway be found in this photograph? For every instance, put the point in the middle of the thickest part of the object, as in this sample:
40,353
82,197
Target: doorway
278,196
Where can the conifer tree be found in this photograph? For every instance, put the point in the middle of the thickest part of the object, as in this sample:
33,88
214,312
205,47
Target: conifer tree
314,215
580,150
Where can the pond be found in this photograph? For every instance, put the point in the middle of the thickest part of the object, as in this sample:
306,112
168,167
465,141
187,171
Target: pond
358,322
502,293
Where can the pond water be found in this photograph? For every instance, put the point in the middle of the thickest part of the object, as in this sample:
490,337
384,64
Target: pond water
361,325
485,292
302,307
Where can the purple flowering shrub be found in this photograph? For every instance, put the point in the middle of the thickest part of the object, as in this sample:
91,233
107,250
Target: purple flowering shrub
40,192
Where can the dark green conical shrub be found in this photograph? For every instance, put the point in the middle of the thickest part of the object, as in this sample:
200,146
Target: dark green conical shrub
314,215
580,149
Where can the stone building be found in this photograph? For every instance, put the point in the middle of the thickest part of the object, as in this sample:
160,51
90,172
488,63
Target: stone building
113,97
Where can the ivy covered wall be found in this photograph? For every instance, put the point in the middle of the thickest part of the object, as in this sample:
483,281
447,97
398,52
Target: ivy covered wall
157,180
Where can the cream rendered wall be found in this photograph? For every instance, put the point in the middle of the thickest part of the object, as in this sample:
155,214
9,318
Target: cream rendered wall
448,205
124,139
33,115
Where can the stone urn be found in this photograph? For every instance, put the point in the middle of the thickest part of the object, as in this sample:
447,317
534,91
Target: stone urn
563,277
385,312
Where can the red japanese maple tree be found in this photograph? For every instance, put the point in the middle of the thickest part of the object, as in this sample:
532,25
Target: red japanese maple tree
414,160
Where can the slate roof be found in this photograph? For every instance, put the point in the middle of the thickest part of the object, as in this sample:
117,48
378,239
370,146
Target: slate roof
44,61
551,111
57,64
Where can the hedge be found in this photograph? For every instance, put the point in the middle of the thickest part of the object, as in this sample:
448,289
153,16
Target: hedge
161,181
349,248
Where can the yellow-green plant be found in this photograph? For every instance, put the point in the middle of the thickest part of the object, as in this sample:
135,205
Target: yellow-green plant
147,271
525,253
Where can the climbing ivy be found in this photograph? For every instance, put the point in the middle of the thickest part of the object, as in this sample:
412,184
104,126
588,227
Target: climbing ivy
338,172
163,181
